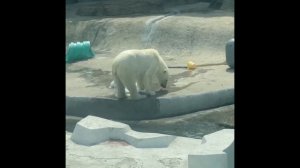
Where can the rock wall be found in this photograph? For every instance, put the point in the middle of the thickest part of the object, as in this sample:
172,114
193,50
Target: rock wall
125,7
174,32
172,35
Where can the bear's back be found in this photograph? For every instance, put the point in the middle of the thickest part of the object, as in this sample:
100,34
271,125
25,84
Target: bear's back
141,55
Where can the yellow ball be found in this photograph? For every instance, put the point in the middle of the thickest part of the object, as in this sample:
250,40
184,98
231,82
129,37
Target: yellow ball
191,65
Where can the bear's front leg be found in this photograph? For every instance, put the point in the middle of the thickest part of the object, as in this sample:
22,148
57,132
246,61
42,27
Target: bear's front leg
140,85
131,86
148,84
134,94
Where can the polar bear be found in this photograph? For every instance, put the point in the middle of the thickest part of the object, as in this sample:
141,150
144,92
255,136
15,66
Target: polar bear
139,67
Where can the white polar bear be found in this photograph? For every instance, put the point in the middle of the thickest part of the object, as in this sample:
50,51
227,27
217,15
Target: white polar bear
141,67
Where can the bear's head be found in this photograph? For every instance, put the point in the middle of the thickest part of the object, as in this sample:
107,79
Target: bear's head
163,77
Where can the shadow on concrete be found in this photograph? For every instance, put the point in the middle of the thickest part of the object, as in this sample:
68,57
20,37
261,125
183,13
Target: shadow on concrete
231,70
194,125
108,108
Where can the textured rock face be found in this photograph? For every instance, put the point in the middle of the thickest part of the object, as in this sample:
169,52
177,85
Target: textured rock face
222,4
125,7
120,7
178,35
228,5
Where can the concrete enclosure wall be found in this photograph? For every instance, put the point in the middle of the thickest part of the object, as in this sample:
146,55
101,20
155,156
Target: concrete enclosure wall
199,36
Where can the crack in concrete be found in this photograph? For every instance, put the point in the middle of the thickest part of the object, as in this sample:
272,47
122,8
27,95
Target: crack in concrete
96,34
171,162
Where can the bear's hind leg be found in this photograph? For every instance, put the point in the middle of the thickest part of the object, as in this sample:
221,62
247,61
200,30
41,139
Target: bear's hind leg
140,85
120,87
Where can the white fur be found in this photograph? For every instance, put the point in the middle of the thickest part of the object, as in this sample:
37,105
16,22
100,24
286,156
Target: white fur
139,67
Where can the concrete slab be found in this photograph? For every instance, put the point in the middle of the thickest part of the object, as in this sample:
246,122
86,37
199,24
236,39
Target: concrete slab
148,140
94,130
216,146
181,153
119,154
213,160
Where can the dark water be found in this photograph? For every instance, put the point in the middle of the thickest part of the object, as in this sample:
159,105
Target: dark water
194,125
191,130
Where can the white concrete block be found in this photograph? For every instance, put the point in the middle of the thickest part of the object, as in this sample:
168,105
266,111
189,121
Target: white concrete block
215,147
93,122
219,140
85,136
208,160
230,155
148,140
215,150
93,130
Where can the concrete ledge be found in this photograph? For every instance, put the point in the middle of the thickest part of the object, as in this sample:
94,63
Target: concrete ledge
172,106
149,108
216,150
112,108
94,130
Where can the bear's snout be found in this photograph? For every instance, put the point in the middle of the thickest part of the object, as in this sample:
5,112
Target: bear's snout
163,85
